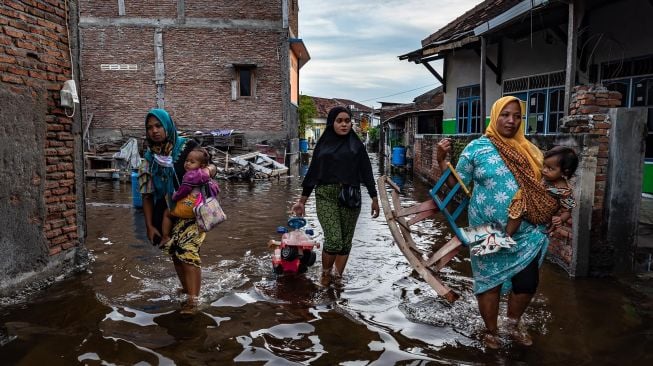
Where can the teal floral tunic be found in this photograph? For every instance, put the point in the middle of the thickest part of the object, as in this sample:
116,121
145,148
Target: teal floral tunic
493,189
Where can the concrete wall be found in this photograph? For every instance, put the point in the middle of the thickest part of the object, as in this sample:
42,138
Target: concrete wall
41,181
463,69
620,29
538,54
201,41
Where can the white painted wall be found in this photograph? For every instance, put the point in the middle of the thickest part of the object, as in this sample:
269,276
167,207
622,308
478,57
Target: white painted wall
464,69
539,53
524,57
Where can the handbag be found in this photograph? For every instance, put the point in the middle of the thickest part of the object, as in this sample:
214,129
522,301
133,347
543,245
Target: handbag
349,196
208,212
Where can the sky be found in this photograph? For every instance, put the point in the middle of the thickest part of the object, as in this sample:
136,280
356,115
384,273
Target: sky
354,46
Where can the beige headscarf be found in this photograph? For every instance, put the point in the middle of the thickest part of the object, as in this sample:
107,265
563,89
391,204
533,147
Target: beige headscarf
519,154
519,141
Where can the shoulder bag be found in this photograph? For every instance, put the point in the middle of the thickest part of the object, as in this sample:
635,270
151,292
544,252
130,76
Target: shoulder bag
208,212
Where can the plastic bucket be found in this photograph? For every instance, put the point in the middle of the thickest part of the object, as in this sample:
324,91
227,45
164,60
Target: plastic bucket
398,156
137,200
303,145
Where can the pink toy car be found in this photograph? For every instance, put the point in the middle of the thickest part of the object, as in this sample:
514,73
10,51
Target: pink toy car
294,253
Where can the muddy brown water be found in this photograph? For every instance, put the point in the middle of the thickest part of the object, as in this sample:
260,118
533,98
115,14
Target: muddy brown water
123,310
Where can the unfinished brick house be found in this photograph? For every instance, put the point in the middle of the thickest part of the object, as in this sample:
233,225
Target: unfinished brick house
211,64
41,176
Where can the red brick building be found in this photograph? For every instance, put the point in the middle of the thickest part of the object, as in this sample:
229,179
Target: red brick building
212,64
41,179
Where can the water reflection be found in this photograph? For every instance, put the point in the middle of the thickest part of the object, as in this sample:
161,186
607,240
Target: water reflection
124,309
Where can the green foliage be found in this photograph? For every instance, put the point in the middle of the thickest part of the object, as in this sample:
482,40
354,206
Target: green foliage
373,133
457,147
306,113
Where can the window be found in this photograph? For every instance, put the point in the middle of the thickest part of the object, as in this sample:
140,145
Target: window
427,124
244,83
633,78
468,116
544,97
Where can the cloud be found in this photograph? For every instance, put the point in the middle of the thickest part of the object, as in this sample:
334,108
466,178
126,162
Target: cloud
354,45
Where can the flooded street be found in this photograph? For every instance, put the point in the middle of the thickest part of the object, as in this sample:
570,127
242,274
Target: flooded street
124,309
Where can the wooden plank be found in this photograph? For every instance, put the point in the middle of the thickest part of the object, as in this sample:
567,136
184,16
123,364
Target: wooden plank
413,259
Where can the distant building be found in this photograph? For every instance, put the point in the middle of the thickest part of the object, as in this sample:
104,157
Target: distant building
403,122
362,115
212,64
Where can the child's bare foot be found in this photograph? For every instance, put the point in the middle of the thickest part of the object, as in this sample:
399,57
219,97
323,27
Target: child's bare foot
165,242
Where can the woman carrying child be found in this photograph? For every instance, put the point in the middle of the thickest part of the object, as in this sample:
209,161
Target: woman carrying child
559,166
160,175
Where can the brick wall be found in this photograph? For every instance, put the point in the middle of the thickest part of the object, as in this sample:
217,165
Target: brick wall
588,114
198,61
34,63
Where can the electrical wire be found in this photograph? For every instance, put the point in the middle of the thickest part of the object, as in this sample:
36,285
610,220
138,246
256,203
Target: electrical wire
403,92
70,54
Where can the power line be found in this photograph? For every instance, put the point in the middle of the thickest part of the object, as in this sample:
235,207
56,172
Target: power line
392,95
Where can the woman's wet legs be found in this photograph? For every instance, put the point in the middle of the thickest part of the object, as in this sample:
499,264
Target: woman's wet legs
488,306
327,263
517,304
180,274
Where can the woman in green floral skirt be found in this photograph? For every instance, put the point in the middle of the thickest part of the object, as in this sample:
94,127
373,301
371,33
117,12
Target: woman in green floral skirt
338,167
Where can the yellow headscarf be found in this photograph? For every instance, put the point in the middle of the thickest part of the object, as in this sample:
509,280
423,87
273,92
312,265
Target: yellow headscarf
518,141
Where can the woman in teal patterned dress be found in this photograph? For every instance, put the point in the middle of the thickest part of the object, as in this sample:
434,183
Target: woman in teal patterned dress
339,159
505,169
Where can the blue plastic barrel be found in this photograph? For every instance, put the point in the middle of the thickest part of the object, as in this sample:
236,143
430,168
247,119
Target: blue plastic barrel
303,145
137,200
398,156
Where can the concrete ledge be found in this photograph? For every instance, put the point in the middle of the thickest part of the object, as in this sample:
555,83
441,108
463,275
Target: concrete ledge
59,267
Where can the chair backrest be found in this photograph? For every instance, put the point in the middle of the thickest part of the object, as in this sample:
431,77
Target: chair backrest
444,203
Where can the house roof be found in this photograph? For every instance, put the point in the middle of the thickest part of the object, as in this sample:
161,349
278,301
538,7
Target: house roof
489,16
465,24
323,105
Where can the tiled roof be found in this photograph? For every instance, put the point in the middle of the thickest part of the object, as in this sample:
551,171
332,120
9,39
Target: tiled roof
323,105
479,14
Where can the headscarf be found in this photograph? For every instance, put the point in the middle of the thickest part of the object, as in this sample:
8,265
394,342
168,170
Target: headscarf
518,141
335,157
519,154
162,156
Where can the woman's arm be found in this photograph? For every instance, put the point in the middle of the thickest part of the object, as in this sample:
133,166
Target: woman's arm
148,212
368,180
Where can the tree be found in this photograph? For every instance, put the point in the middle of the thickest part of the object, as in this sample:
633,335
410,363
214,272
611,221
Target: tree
306,113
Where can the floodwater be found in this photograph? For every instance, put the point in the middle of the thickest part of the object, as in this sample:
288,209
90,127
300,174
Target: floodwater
123,310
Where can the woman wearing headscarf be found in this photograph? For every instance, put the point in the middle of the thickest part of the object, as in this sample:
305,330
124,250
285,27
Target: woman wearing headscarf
506,170
160,175
339,165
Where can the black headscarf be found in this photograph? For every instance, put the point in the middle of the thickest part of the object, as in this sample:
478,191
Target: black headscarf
336,159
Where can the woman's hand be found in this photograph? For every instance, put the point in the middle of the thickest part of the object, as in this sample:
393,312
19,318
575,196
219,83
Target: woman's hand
211,170
375,207
152,233
298,208
443,149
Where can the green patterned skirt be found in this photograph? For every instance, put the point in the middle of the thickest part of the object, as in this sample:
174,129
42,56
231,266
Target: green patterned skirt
338,223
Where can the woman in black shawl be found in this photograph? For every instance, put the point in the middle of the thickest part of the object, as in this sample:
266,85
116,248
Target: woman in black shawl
339,161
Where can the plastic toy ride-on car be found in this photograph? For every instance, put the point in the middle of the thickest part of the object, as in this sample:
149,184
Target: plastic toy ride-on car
294,253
